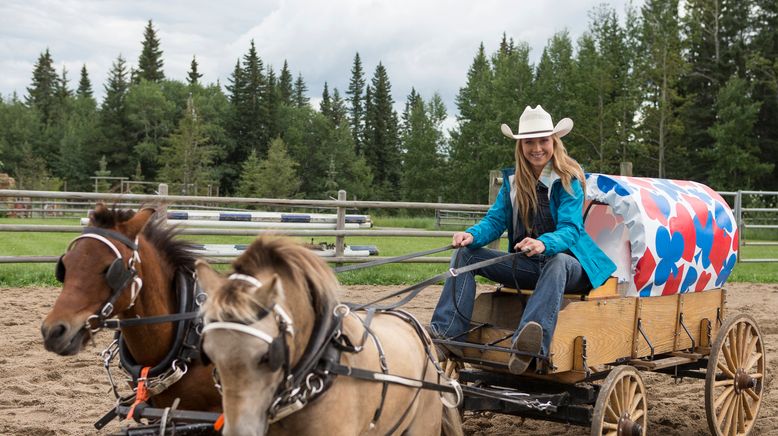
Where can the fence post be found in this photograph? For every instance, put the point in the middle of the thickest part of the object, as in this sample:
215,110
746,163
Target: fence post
163,189
340,241
739,222
494,189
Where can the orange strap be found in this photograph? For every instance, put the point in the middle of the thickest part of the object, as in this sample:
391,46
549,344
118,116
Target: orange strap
141,393
219,423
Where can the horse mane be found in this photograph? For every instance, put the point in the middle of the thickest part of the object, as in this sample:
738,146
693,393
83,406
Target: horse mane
162,237
292,262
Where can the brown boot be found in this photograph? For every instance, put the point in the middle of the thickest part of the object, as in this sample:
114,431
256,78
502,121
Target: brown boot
529,341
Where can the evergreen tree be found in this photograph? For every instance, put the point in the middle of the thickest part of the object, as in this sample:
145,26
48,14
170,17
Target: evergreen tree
510,90
713,45
338,111
42,91
250,113
763,63
84,84
477,146
661,68
78,142
603,106
555,77
356,101
270,103
193,77
150,61
736,164
423,141
151,118
274,177
188,157
21,130
285,85
381,146
235,152
325,107
300,98
113,121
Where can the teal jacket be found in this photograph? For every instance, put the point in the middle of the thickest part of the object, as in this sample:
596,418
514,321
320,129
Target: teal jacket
567,212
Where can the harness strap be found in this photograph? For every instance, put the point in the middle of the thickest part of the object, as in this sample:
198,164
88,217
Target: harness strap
414,290
115,323
141,394
364,374
391,259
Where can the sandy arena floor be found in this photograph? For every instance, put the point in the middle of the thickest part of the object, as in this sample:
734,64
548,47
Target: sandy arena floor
45,394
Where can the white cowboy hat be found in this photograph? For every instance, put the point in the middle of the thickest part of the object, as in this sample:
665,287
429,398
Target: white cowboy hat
535,123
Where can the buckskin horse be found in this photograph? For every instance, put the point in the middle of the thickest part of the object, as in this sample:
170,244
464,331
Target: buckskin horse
128,265
292,360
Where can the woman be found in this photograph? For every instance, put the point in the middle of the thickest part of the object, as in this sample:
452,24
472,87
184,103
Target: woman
540,204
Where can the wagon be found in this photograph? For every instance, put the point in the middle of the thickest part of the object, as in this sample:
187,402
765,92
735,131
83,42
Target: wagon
674,244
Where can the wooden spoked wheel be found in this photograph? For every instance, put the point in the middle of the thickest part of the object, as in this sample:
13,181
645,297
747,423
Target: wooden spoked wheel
621,408
735,377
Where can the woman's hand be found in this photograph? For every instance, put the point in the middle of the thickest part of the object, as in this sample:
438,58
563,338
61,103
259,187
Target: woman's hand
530,246
461,239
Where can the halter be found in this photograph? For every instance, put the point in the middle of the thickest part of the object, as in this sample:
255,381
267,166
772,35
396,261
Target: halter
117,276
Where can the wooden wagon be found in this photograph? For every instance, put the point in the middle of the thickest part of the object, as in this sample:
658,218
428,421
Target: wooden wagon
640,320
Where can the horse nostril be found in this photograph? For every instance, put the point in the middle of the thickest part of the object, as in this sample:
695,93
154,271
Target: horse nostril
56,332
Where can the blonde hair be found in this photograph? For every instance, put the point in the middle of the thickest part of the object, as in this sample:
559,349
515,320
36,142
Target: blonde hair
525,181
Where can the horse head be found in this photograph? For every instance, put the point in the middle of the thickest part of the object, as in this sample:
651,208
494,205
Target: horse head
258,322
97,268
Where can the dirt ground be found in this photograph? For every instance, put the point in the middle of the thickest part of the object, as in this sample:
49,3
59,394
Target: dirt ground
45,394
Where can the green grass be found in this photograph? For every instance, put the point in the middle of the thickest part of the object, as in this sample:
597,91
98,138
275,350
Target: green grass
48,244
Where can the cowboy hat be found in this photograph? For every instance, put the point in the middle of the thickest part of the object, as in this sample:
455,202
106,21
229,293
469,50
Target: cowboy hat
535,123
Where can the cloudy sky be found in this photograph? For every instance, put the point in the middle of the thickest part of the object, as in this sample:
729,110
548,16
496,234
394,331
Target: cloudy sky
423,43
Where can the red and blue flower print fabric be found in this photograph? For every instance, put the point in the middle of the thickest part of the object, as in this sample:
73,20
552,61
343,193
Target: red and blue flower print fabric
682,234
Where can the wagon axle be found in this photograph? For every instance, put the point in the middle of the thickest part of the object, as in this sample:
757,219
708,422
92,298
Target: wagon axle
743,381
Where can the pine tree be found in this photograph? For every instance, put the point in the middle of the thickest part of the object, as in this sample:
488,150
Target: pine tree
555,77
356,101
41,93
113,120
188,157
274,177
300,98
763,64
423,141
338,112
661,69
150,61
285,85
250,112
325,107
84,84
736,164
381,146
477,146
271,101
193,77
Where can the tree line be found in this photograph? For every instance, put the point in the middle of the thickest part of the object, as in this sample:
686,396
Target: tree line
689,94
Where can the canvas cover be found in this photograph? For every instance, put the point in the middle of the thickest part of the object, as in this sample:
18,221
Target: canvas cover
665,236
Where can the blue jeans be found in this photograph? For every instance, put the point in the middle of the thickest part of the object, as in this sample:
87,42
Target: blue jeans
551,277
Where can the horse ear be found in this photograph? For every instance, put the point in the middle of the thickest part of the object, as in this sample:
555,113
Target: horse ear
209,279
100,208
138,221
276,289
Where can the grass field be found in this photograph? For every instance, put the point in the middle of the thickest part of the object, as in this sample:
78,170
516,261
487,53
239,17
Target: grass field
49,244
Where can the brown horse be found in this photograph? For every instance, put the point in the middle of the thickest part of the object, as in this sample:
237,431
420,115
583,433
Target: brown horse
128,265
274,315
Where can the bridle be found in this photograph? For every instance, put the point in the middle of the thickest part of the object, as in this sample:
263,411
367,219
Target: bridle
118,276
277,356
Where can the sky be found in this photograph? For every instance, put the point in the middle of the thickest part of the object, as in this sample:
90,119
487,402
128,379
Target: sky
424,44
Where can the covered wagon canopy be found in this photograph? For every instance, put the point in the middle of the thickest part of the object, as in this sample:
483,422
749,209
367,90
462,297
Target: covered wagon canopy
665,236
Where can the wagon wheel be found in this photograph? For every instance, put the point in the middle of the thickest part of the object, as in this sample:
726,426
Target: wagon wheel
621,408
735,377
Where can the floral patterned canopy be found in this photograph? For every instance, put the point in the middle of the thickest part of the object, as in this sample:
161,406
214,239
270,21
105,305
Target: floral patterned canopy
665,236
